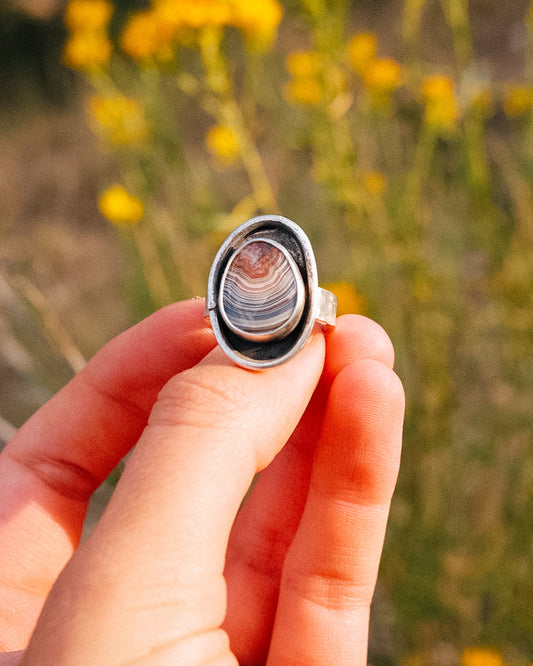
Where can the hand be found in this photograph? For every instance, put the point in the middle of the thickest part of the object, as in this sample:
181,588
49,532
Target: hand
170,575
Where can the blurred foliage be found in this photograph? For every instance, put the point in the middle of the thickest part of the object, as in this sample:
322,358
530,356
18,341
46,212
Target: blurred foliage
414,180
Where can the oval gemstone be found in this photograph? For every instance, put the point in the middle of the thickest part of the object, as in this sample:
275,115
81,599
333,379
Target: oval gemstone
262,292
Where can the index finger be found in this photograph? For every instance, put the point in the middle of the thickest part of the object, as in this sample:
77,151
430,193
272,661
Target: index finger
64,452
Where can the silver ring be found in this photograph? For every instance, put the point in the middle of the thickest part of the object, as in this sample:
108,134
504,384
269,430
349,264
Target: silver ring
263,297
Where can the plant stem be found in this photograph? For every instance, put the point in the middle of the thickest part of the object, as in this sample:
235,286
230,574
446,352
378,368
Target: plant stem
226,110
411,23
151,266
456,12
51,322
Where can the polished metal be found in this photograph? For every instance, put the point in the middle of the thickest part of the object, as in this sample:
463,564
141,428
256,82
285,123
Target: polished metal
263,298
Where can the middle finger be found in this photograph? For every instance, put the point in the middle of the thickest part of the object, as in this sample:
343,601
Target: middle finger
266,524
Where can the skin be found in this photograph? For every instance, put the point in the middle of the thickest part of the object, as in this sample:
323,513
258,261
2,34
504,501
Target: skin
174,573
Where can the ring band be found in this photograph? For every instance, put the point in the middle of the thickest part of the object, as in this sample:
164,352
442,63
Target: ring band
263,297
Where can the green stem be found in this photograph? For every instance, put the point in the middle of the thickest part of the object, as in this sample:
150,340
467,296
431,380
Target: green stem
51,322
419,172
411,24
315,8
226,110
457,16
151,266
474,134
529,45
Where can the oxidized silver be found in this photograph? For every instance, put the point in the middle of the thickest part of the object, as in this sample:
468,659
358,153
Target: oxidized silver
263,297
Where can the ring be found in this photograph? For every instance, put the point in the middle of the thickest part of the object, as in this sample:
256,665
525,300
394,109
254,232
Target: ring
263,297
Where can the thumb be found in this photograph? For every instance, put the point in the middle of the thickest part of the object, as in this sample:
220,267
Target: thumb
149,581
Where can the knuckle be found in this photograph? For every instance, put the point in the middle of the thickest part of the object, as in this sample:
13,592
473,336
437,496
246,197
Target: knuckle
329,589
199,398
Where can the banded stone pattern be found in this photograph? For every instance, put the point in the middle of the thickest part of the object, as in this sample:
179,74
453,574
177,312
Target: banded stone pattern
261,292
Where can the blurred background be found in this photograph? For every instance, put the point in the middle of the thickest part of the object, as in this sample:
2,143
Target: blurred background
399,135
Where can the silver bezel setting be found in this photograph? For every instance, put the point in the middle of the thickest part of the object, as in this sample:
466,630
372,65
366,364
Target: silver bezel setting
266,353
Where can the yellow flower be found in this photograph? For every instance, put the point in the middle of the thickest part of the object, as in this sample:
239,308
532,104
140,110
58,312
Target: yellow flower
349,300
441,109
88,15
306,86
119,206
382,75
258,20
201,14
443,114
175,14
88,45
518,101
362,50
304,64
169,15
146,36
374,182
481,657
304,90
118,119
223,143
86,50
437,86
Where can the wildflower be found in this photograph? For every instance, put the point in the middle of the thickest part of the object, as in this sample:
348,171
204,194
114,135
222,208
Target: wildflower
145,36
169,14
203,13
306,86
437,86
258,20
481,657
382,75
87,50
518,101
349,300
88,15
119,206
118,119
88,45
441,109
304,64
194,14
305,90
374,182
362,50
381,78
223,143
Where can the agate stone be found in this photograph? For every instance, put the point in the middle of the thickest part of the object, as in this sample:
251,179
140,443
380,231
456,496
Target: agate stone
262,291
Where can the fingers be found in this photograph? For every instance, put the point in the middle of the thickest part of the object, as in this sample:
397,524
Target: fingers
160,547
331,567
49,470
11,658
266,524
355,338
110,399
